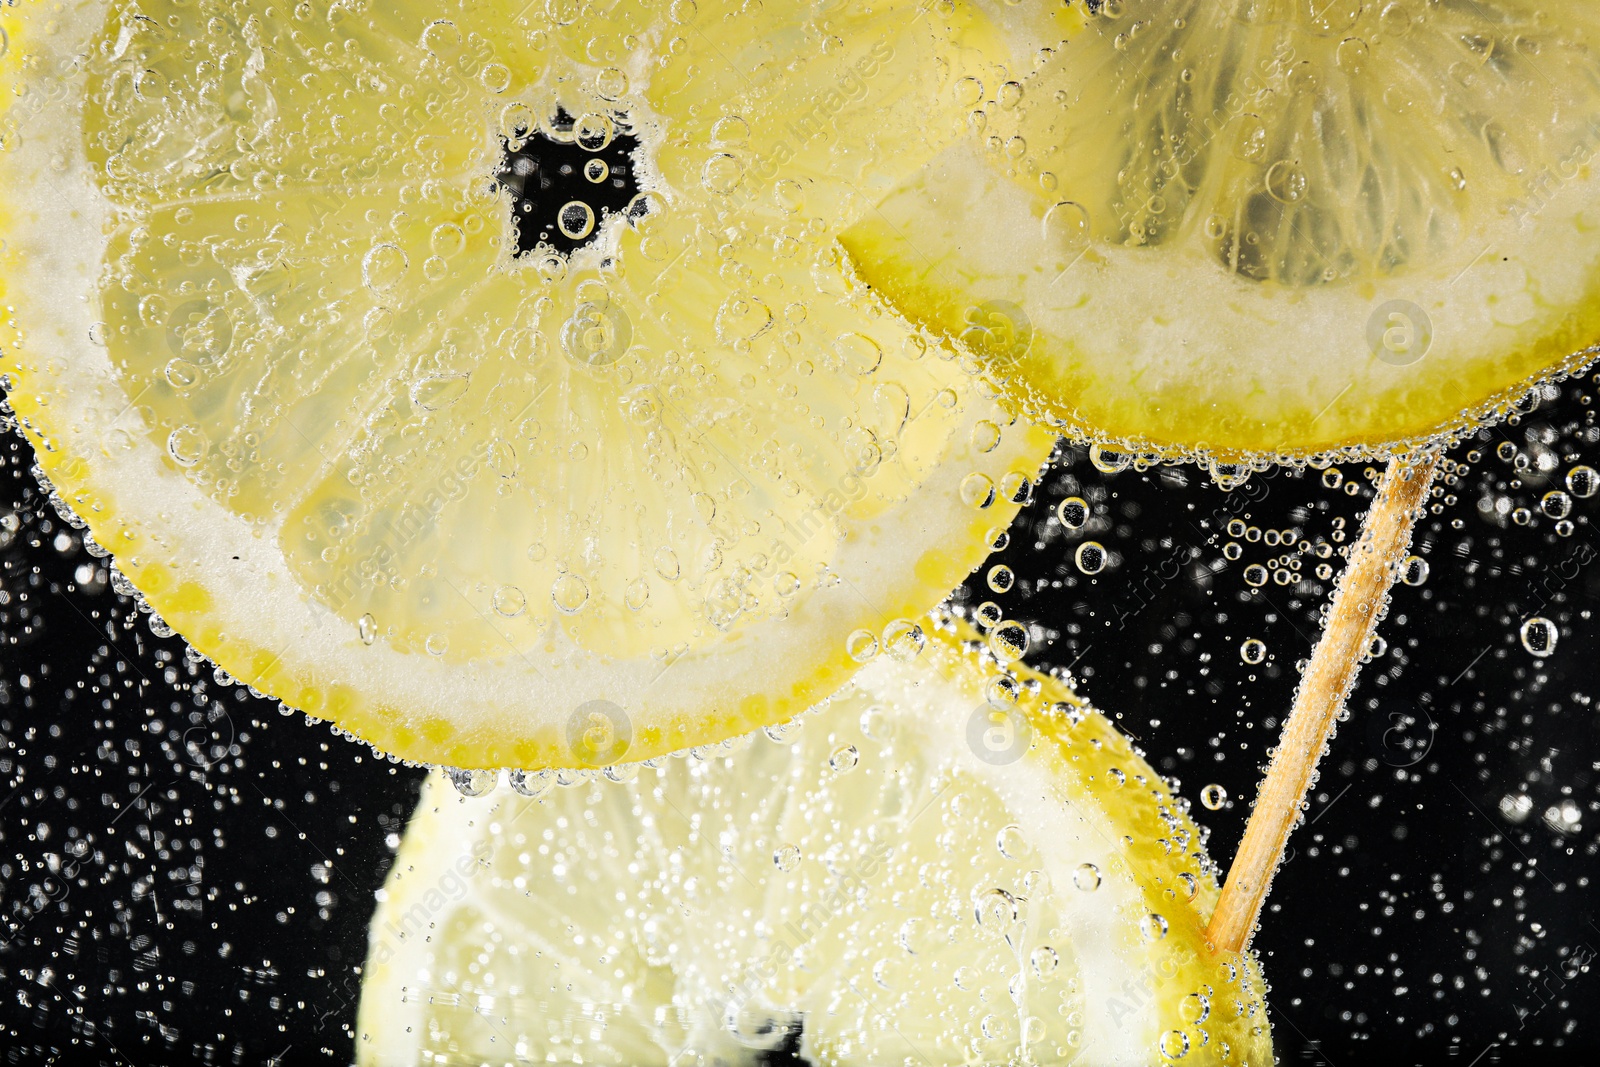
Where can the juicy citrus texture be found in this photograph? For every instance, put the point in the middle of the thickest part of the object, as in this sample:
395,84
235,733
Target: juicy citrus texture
912,874
1268,228
270,333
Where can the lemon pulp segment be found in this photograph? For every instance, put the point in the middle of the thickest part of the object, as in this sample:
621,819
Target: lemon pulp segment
1268,229
910,874
389,430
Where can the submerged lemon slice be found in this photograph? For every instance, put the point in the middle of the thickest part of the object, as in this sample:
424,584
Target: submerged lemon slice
443,370
920,872
1268,228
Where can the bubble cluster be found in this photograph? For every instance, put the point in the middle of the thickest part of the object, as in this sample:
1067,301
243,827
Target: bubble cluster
509,344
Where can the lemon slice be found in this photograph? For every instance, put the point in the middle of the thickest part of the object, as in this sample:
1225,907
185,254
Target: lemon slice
443,372
1268,229
922,871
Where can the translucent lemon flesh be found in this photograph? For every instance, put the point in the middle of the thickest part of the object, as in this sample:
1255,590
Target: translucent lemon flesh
277,333
1268,229
910,875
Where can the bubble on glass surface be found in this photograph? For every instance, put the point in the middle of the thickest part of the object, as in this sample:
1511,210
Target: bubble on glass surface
1001,578
861,645
904,640
1539,636
473,782
1086,877
844,758
531,784
1073,512
1012,842
1583,481
1108,460
1009,641
1090,557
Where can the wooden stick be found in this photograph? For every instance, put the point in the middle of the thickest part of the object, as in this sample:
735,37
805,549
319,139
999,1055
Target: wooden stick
1358,602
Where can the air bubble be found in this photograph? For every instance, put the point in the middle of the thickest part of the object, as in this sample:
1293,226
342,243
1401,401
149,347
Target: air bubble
569,593
667,565
861,645
1213,797
977,490
575,220
858,353
1556,504
1011,842
473,782
1002,692
383,267
611,83
186,445
996,911
904,640
1583,481
1086,877
1286,181
1090,557
1066,232
181,374
722,174
1539,636
1009,641
531,783
439,391
1073,512
509,601
593,132
440,35
985,436
496,77
1107,461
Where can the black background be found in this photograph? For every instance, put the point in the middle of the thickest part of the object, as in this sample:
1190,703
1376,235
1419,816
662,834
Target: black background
186,872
